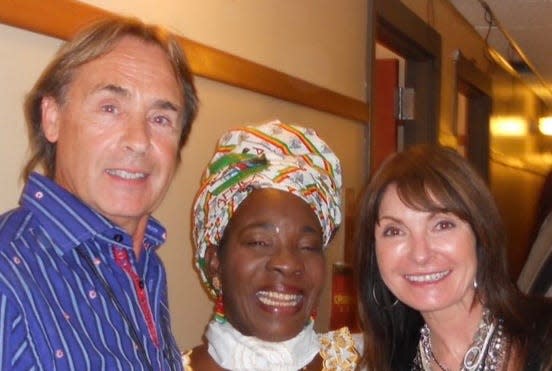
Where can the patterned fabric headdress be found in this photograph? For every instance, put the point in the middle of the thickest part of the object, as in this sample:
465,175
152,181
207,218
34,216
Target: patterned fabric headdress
273,155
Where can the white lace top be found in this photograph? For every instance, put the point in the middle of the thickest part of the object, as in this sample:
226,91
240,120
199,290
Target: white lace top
233,351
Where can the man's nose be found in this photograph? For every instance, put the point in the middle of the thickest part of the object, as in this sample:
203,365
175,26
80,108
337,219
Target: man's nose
137,135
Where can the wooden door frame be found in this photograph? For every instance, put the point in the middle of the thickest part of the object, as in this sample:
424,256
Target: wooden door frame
394,25
477,87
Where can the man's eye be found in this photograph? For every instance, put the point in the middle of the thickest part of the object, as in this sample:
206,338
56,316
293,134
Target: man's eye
161,120
109,108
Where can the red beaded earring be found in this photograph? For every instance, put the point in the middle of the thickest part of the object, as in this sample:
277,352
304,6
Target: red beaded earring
219,310
219,303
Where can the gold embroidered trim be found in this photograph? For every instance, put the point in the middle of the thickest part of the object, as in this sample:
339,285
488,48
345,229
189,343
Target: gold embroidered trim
338,351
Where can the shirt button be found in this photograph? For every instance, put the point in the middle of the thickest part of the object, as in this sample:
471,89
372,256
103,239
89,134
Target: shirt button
59,353
118,238
97,261
92,294
39,195
16,260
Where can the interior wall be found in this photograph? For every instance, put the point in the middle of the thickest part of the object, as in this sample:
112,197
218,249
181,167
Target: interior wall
22,55
516,191
512,173
321,41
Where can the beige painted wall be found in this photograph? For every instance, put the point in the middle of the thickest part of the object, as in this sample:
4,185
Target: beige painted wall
322,41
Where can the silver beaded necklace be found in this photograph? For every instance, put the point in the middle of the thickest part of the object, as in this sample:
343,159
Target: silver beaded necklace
486,353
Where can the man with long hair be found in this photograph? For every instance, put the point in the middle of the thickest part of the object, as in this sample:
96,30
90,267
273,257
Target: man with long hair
81,284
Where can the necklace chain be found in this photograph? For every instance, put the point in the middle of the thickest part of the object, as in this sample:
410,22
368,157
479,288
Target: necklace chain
486,353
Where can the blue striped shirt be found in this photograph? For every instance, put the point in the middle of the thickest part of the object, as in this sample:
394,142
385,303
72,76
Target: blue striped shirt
61,265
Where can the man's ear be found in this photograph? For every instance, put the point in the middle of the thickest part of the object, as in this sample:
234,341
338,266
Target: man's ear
213,262
50,118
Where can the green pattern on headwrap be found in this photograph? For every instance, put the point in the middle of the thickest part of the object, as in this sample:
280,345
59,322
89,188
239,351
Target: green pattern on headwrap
236,166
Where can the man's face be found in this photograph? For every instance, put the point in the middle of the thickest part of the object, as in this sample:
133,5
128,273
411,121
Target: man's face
117,131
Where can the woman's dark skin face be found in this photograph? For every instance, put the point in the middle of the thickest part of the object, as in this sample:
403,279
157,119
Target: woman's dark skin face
271,265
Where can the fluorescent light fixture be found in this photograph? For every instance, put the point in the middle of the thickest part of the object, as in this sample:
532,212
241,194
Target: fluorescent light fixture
545,125
508,126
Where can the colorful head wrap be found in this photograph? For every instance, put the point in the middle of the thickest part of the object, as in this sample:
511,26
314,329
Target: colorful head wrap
273,155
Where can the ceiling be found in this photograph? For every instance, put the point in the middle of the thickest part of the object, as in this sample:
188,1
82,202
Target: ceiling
528,25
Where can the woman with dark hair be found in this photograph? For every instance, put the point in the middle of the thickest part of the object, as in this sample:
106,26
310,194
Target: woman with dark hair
434,288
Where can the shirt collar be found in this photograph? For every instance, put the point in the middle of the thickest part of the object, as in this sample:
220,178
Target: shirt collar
69,221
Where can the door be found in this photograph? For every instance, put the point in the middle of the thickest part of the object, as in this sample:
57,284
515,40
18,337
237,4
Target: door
385,125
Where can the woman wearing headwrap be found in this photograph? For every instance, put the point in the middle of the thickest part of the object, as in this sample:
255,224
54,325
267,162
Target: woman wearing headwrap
268,206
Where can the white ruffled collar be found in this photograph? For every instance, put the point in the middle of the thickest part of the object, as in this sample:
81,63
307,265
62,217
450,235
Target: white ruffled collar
233,351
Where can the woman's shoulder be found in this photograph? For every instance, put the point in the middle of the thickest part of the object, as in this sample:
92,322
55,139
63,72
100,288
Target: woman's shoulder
198,359
339,350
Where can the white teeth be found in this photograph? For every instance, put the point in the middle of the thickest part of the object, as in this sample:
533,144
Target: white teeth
278,299
427,277
125,174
